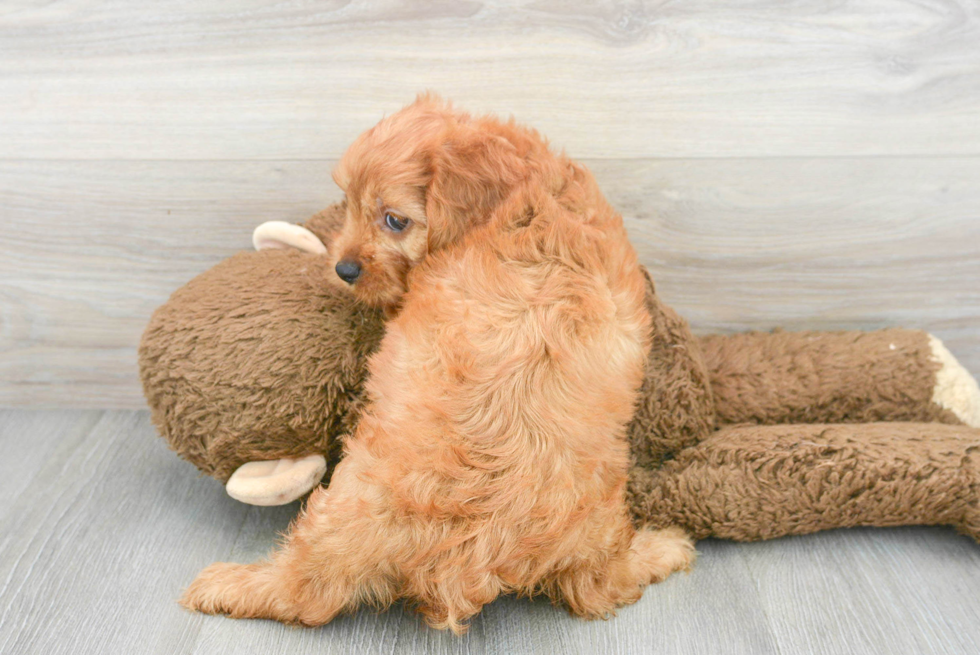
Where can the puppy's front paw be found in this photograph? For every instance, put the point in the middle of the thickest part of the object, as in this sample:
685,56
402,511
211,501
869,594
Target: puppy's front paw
210,591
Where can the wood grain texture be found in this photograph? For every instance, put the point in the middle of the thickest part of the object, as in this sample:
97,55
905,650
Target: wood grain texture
918,611
734,244
260,79
30,441
104,526
91,533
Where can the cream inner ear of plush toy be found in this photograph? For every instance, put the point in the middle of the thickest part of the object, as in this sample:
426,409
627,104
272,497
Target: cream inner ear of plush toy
277,481
280,234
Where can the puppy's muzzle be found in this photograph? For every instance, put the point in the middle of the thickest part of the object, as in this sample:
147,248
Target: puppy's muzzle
348,270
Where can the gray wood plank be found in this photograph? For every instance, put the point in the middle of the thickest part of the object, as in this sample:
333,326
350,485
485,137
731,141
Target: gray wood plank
30,440
98,246
97,545
733,244
713,609
252,79
829,244
903,590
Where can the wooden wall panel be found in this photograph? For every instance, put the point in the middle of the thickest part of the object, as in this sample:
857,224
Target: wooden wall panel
257,79
91,248
802,164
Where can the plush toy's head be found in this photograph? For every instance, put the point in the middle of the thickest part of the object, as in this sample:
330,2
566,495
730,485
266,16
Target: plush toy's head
260,359
255,368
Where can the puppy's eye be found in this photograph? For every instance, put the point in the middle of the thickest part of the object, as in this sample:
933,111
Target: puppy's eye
394,223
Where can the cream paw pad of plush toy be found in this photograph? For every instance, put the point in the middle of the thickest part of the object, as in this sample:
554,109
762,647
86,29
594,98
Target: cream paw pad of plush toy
956,390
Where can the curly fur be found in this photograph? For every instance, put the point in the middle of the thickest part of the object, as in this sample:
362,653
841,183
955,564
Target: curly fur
492,455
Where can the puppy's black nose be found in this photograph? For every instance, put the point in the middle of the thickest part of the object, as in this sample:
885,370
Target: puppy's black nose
348,270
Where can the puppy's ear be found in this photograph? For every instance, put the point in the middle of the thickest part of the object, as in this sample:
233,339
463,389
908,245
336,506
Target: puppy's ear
472,171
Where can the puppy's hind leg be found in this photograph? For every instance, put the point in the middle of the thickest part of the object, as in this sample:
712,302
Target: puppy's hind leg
243,591
652,556
655,554
269,590
332,560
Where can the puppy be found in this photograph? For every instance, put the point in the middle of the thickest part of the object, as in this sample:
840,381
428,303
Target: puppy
491,458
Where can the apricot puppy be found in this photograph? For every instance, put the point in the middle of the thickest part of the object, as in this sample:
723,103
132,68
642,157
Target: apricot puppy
492,457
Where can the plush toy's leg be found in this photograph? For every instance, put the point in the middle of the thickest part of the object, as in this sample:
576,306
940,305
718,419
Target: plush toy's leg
955,390
834,377
759,482
276,482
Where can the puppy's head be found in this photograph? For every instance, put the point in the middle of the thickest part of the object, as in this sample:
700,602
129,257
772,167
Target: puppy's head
415,183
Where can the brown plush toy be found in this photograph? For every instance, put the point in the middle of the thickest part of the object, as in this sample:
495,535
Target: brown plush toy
255,369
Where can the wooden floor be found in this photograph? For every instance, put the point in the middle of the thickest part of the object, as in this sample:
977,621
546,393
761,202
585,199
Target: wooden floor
102,526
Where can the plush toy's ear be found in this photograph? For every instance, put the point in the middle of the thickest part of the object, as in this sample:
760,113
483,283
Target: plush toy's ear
279,234
277,481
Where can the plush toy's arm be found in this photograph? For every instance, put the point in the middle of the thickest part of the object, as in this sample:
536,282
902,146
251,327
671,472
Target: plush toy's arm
760,482
276,481
279,481
834,377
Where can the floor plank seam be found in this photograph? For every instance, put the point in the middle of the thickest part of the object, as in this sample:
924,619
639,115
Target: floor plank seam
757,588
